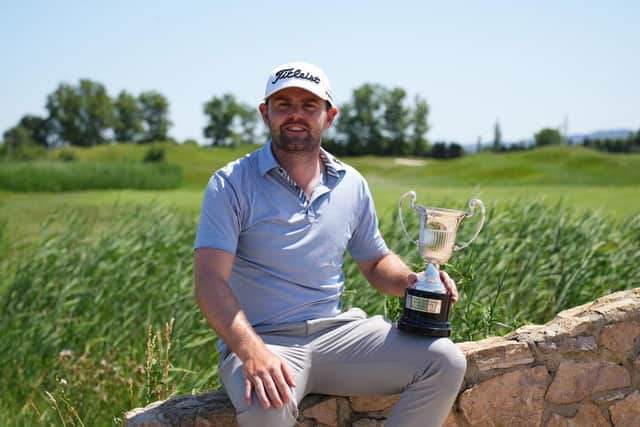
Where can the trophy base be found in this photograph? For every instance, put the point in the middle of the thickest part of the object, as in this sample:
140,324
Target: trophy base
426,313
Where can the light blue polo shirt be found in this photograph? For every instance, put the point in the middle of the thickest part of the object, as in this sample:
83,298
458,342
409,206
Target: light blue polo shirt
288,251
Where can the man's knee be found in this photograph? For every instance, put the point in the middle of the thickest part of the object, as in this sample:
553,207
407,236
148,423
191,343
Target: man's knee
257,416
447,360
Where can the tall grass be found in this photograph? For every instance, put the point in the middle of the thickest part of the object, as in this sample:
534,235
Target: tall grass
78,309
86,320
75,176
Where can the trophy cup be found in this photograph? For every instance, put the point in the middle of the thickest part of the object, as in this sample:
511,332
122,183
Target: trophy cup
427,305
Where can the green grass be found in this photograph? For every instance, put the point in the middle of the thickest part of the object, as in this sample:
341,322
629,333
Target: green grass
84,274
545,166
198,163
76,310
87,175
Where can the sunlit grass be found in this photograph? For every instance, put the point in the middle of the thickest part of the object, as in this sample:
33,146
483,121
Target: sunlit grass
77,302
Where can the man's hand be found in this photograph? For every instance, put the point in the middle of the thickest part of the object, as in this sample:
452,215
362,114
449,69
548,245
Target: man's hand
449,283
270,377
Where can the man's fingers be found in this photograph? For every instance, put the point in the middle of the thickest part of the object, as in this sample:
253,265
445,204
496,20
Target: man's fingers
289,377
450,284
412,278
258,387
272,395
270,379
247,392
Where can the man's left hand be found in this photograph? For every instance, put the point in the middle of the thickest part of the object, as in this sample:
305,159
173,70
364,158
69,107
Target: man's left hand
449,284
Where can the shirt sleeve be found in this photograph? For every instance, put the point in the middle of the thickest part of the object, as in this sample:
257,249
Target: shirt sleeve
366,242
220,223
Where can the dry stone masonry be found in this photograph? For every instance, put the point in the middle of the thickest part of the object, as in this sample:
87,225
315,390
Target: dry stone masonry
580,369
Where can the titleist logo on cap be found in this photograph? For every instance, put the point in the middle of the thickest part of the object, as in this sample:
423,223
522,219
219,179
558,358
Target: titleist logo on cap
290,73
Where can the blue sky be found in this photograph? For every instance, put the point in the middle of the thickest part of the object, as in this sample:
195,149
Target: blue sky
527,64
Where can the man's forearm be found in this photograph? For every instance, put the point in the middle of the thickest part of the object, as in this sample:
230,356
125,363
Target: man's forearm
224,314
389,274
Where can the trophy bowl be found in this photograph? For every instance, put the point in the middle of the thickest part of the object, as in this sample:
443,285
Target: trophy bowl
427,304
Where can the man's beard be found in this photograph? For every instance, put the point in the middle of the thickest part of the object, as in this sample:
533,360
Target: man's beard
308,142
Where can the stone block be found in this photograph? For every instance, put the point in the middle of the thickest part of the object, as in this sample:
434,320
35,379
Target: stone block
325,412
498,353
588,415
581,343
512,399
452,420
373,403
620,338
618,307
626,413
576,380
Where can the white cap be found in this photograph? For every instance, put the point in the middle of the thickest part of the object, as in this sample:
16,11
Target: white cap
299,74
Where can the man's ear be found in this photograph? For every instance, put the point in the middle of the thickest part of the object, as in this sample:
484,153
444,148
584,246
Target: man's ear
332,113
263,112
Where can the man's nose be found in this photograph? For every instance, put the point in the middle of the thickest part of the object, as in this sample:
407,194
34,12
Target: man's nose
295,111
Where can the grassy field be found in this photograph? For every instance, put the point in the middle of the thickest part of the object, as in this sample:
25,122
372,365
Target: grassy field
96,286
584,179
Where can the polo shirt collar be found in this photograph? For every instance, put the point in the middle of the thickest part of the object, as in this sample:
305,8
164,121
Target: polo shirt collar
266,159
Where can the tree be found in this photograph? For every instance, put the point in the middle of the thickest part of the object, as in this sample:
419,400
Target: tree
359,121
38,127
548,136
248,118
127,125
230,122
420,127
155,116
396,119
18,144
497,137
80,115
17,136
220,112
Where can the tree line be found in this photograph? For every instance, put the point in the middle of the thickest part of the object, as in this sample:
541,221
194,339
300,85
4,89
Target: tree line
552,136
376,120
85,115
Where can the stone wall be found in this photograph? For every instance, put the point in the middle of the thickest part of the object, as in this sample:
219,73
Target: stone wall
580,369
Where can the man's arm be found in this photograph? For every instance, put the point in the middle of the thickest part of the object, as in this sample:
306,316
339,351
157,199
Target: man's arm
264,371
390,275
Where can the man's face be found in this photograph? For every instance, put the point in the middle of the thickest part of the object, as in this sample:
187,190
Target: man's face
296,119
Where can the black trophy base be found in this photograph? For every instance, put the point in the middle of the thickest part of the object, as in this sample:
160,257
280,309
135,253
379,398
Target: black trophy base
426,313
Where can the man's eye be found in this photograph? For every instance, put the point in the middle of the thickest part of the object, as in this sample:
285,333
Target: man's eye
311,107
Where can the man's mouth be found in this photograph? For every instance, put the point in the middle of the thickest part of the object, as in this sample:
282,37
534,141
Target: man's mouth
295,129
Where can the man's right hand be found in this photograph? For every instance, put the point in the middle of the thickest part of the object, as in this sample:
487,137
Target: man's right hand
270,377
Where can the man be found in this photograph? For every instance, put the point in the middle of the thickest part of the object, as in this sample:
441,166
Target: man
268,271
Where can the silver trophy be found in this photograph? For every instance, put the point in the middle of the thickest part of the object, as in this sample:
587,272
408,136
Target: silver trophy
427,305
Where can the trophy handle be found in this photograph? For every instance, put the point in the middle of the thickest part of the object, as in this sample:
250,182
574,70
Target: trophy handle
411,194
483,213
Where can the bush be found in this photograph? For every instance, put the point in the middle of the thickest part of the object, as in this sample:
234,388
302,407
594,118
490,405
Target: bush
154,154
76,176
23,152
67,156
